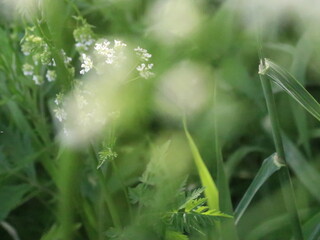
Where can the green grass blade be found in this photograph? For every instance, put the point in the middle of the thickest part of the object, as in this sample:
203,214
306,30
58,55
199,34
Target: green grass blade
269,166
211,191
293,87
311,229
301,59
306,174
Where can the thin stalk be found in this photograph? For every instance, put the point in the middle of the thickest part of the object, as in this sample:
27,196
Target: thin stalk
106,192
112,140
283,173
227,227
68,188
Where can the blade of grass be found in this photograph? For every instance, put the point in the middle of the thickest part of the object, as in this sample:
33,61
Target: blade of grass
311,229
211,190
292,86
228,229
301,58
269,166
283,173
273,224
306,174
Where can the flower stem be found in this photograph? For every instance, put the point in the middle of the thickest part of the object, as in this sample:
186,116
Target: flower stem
283,173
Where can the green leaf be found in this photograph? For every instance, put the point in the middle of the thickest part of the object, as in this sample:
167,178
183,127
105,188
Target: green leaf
172,235
11,197
191,205
211,191
194,220
269,166
193,196
292,86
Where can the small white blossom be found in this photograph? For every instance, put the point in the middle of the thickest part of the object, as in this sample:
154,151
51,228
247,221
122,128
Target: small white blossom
143,53
52,63
144,70
86,65
119,44
60,114
104,49
112,53
59,99
51,75
37,79
66,59
28,70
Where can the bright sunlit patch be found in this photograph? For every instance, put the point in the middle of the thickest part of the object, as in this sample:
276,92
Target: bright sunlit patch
25,8
101,95
173,20
265,14
184,89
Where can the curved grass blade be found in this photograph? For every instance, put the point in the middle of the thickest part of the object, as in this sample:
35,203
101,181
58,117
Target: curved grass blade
292,86
269,166
311,228
301,58
211,191
306,174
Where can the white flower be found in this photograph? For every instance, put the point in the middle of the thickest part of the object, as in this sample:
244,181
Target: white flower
119,44
66,59
143,53
37,79
144,70
112,54
60,114
84,46
103,49
51,75
86,65
27,69
59,99
52,63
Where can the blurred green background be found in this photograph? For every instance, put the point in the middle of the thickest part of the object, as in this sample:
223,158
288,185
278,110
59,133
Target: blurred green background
205,56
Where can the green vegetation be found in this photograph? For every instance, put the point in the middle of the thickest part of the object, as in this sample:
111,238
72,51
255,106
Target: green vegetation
152,119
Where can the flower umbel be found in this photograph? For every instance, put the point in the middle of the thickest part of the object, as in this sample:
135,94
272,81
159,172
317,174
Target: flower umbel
86,65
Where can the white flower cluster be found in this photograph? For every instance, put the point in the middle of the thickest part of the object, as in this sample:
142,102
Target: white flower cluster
84,38
28,70
82,103
39,56
51,75
143,53
87,63
59,111
144,69
112,53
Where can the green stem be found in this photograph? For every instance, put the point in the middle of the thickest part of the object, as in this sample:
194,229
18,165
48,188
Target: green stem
283,173
227,227
69,169
106,192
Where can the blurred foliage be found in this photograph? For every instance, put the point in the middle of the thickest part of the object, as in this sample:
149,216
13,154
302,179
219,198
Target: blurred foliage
133,177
